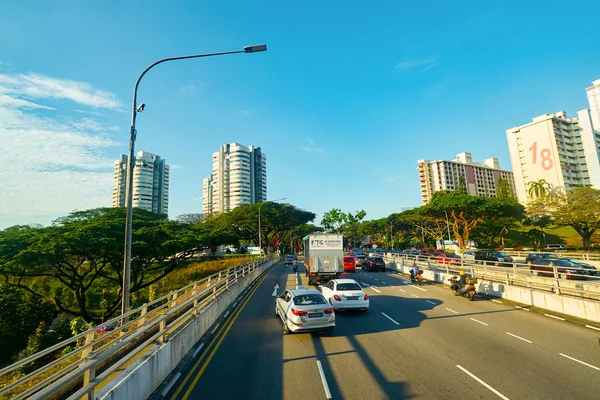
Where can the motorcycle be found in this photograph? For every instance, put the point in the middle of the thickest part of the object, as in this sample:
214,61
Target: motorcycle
467,290
295,268
418,278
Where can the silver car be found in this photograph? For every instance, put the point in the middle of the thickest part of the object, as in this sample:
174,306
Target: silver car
360,259
304,310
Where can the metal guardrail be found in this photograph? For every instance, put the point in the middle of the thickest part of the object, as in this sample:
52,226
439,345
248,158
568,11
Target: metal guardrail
96,349
516,274
576,256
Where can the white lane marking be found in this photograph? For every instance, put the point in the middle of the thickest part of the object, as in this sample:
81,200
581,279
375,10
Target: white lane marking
519,337
497,393
364,284
522,308
580,362
170,385
414,295
375,289
554,316
416,287
431,302
592,327
455,312
403,291
497,301
388,317
215,328
275,288
226,314
479,322
324,380
198,350
234,304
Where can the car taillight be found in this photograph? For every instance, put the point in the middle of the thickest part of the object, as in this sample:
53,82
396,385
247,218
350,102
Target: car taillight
366,296
335,296
299,312
329,311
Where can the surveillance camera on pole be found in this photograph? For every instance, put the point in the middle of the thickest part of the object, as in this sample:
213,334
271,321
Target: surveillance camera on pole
141,107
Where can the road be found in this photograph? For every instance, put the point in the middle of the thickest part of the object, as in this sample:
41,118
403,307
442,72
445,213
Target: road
415,342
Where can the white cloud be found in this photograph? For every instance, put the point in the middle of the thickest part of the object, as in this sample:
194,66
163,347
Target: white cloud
43,87
245,112
191,88
312,147
50,164
423,64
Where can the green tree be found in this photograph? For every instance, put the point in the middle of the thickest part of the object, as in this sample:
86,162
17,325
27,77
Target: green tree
538,189
579,209
66,262
333,220
504,189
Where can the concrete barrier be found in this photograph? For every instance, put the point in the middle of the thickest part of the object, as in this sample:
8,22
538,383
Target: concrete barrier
581,308
139,380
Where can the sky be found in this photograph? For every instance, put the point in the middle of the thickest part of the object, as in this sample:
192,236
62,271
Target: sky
349,95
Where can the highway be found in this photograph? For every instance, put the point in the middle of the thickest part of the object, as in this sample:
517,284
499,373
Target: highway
415,342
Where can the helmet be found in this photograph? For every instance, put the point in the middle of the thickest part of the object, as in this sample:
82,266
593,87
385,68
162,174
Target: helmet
461,272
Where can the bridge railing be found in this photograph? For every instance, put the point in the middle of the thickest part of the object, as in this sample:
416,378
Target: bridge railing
551,279
100,351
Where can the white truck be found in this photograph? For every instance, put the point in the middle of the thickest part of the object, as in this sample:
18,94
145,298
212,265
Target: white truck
323,254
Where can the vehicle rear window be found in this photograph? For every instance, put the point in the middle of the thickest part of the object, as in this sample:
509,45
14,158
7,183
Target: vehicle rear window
348,286
564,263
309,299
348,259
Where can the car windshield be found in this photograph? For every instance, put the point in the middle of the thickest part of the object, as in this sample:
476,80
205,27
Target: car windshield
342,287
500,254
564,263
309,299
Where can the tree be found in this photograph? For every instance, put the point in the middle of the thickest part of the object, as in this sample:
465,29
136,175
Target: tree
579,209
505,190
333,220
538,189
190,218
70,262
466,213
462,185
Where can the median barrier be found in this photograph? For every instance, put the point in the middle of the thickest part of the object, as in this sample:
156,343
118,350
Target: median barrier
140,379
546,293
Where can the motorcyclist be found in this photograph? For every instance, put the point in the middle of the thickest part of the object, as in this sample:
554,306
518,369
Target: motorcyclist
413,271
295,265
461,285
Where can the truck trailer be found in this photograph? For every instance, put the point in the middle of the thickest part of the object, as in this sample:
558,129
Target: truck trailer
323,254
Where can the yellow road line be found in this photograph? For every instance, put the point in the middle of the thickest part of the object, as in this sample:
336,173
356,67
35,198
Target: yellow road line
216,337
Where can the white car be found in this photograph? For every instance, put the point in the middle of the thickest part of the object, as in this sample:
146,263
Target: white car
304,310
345,294
468,255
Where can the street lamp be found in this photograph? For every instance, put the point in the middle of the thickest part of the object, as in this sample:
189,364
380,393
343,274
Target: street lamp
423,233
135,109
259,230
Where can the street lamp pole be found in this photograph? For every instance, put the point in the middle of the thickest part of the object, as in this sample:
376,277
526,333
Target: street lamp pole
135,109
259,226
423,233
448,225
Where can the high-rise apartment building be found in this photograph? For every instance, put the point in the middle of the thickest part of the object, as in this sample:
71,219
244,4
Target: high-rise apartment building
481,179
150,182
593,94
239,176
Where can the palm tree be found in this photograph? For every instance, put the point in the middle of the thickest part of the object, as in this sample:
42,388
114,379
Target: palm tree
538,189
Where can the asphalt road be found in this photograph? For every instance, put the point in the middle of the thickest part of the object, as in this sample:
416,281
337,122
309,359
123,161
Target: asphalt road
415,342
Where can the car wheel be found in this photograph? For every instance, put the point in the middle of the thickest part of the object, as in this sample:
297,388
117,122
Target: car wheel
365,309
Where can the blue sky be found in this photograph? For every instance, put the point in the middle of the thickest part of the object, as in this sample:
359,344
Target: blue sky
345,101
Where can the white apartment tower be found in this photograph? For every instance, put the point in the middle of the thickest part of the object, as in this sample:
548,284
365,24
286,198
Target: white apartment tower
481,179
150,183
239,176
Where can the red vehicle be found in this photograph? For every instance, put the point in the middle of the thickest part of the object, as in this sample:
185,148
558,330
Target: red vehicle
349,264
448,258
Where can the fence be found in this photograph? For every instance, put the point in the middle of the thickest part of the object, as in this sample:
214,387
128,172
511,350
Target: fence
551,279
104,349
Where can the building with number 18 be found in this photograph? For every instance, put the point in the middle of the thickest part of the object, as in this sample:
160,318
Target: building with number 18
563,151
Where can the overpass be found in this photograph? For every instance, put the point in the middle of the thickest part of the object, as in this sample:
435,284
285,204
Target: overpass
415,342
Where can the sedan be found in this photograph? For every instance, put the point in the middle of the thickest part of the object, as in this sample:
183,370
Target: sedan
304,310
374,263
360,259
345,294
448,258
589,268
468,255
